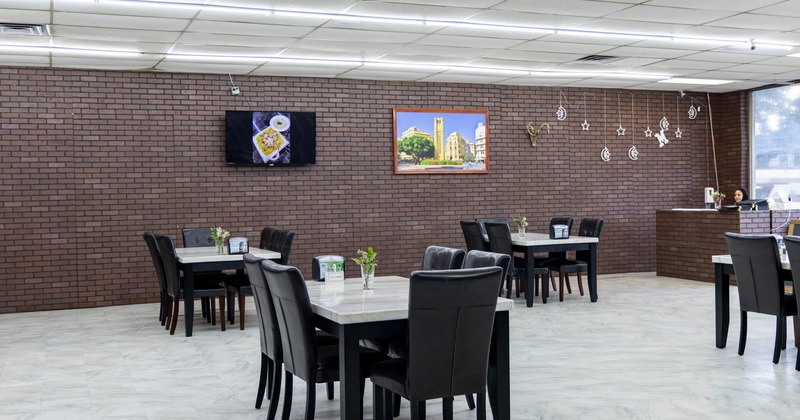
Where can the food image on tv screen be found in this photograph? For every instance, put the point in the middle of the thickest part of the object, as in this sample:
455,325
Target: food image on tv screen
271,138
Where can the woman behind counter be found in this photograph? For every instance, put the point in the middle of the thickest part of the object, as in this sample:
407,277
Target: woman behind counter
740,195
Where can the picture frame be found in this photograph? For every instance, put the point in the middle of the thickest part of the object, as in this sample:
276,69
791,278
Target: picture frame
436,141
238,245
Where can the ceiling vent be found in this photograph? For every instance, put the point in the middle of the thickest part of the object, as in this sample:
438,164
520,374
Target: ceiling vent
598,60
24,29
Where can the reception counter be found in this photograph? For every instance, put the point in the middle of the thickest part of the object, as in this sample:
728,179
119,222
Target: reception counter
687,238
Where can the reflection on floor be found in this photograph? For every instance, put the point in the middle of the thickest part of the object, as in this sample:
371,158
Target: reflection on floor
645,350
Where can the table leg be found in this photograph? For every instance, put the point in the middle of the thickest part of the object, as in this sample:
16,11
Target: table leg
722,303
349,375
499,382
188,298
592,274
528,275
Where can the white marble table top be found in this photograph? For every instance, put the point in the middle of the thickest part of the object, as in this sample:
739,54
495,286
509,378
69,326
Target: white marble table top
346,302
205,254
726,259
544,239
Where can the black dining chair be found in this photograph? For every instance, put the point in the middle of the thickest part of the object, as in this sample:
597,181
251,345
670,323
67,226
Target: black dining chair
269,333
206,287
303,355
274,240
473,236
450,321
588,227
196,238
792,244
500,242
482,222
757,265
158,264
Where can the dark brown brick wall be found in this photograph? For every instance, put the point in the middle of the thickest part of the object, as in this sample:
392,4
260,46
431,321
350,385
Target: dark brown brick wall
91,159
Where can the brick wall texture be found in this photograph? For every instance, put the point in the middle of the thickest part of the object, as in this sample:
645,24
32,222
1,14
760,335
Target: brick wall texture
91,159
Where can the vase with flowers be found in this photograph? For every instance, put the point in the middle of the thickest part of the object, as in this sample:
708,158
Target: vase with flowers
219,234
367,260
718,197
521,222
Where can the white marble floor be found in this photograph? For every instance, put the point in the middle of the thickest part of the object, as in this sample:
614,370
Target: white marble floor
645,350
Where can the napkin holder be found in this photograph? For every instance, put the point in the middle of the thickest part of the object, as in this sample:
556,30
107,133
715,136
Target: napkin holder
323,265
559,232
238,245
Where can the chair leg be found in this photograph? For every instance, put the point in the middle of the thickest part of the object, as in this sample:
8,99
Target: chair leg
329,388
275,388
204,307
417,410
241,311
396,399
221,311
262,380
560,286
287,397
378,403
566,281
536,287
470,401
517,284
213,312
167,324
580,284
742,332
311,400
508,286
447,408
482,406
175,306
553,282
780,333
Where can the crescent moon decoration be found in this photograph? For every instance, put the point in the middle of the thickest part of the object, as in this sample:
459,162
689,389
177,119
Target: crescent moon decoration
561,113
605,154
693,112
678,132
633,154
664,124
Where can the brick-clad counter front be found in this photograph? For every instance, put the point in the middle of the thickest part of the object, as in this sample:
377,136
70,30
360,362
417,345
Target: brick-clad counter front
687,238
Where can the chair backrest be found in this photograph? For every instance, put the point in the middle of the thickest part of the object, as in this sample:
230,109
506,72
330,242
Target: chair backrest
473,235
756,264
477,259
499,238
282,242
295,318
267,234
158,263
482,222
265,309
590,227
442,258
562,221
450,321
793,252
166,248
197,237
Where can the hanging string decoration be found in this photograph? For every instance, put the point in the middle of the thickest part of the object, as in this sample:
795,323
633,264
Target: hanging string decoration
561,112
648,132
605,154
633,153
585,125
620,129
664,125
678,132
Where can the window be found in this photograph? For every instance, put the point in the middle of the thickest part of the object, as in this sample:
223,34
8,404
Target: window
775,147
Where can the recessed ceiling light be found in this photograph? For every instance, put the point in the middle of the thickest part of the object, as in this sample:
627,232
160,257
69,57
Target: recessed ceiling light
690,81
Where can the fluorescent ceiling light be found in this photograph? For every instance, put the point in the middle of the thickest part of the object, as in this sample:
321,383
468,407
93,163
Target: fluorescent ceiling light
202,5
690,81
69,50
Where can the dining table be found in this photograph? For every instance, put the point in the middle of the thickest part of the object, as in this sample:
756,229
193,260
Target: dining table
200,259
723,268
585,248
350,313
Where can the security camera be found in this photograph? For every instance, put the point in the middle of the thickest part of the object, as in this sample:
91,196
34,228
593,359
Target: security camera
752,45
234,90
683,94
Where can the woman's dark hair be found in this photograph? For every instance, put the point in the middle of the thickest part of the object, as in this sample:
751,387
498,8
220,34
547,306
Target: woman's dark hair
745,196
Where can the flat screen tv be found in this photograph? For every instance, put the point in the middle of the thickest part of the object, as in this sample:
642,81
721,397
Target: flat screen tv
271,138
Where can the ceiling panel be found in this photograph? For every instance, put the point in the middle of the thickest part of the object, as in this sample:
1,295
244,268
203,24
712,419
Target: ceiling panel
155,28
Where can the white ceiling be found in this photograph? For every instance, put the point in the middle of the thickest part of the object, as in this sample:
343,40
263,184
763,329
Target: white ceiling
247,37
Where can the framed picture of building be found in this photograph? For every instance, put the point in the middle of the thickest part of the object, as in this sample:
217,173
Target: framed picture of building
441,141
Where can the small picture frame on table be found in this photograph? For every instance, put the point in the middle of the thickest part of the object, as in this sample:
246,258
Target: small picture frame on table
238,245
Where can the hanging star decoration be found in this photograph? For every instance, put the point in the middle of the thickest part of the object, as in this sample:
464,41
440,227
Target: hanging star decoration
620,129
648,132
585,125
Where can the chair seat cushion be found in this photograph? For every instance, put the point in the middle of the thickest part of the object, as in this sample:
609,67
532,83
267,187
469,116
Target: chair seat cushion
328,362
391,375
239,285
569,266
